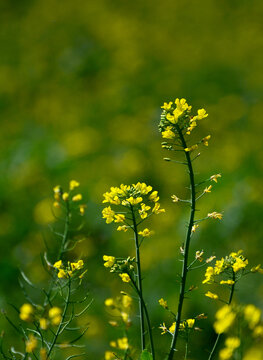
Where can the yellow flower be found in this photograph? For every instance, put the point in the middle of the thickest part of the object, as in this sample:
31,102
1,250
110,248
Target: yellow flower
258,331
208,275
125,316
163,303
77,266
126,301
65,196
225,354
227,282
119,218
211,295
56,204
198,255
55,315
122,228
73,184
172,327
123,343
190,322
43,323
191,148
163,328
208,189
31,344
167,106
26,312
62,274
194,227
171,118
109,260
201,114
125,277
239,264
154,196
109,355
58,264
156,209
175,198
215,177
82,209
143,211
224,319
252,314
132,201
182,105
168,133
257,269
205,140
211,258
109,302
77,197
219,266
57,192
215,215
108,214
232,342
146,232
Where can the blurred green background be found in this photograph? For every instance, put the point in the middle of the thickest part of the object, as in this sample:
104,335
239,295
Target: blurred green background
81,85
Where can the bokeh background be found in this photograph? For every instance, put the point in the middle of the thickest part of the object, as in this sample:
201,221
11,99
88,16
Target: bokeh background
81,85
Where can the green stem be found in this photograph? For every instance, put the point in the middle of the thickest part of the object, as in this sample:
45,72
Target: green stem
186,245
60,252
65,234
147,318
61,322
228,303
139,278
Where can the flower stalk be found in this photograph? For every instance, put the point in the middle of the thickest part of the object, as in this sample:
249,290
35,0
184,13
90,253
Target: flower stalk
186,243
139,279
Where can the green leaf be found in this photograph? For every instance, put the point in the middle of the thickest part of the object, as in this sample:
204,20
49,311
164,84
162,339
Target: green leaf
145,355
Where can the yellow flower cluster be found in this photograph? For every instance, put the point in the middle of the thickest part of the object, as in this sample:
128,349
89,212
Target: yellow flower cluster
231,344
251,318
54,318
65,272
136,201
224,319
121,344
31,344
184,325
235,261
62,197
27,312
178,113
121,307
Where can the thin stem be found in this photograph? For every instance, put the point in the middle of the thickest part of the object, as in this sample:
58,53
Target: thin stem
60,252
186,245
147,318
61,322
186,347
228,303
139,278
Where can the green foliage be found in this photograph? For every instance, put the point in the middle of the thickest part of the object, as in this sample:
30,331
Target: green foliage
145,355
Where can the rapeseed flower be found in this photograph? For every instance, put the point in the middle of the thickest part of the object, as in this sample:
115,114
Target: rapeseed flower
31,344
109,260
55,315
125,277
26,312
